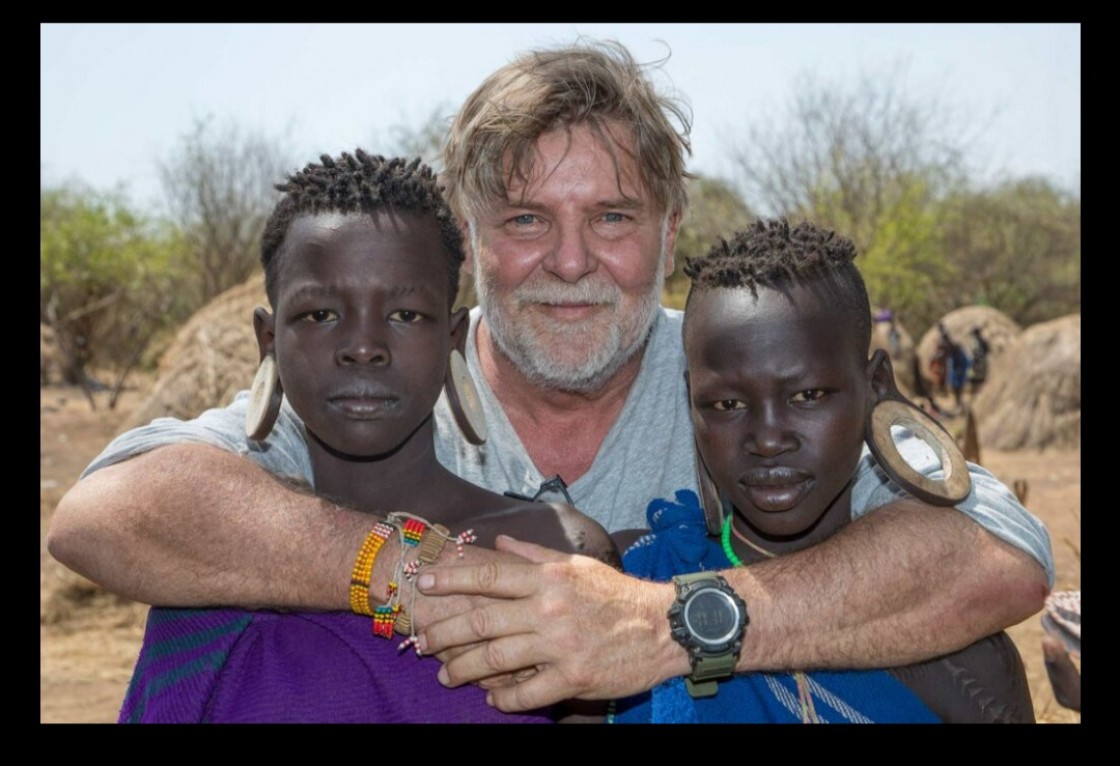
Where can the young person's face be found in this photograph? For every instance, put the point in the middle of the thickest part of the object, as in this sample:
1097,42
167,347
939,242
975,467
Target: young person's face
362,329
779,390
569,269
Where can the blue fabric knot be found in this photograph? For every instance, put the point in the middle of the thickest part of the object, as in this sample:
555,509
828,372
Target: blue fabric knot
683,536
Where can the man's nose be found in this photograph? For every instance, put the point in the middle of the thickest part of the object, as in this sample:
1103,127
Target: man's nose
570,258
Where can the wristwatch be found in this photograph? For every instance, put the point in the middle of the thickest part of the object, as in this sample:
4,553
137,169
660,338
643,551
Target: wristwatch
708,619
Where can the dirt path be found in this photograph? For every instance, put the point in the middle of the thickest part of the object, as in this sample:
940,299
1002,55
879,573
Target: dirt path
89,638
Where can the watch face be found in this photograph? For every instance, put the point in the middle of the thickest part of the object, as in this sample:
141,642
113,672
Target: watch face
712,617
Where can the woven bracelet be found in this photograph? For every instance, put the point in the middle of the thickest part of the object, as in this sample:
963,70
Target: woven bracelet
432,544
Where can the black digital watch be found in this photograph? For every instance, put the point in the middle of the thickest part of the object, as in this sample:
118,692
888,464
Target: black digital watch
708,619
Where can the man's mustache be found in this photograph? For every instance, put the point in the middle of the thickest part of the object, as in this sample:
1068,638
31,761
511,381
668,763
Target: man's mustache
586,291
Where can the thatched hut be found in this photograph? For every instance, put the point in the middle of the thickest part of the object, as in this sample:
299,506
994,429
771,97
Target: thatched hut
1033,398
212,357
997,328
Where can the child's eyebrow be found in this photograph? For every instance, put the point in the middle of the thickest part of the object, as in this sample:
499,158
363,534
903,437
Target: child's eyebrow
308,291
317,290
399,290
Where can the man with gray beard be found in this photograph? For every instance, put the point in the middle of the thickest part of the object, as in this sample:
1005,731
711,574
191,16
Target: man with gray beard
592,364
567,171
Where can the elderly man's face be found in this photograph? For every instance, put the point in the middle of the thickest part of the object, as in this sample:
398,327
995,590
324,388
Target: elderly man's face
569,269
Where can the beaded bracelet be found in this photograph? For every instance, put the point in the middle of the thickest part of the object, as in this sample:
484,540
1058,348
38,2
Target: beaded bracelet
360,600
384,619
429,540
412,530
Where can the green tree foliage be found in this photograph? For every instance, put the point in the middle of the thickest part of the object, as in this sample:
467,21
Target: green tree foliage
107,281
1017,248
904,264
715,210
219,184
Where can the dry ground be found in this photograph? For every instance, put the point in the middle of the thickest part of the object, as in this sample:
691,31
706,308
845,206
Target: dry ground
89,638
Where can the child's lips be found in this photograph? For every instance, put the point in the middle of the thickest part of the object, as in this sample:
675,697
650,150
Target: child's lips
778,489
364,404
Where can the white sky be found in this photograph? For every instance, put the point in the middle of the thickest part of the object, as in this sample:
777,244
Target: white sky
115,98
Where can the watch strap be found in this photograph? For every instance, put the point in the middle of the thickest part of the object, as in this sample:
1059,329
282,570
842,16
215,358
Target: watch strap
688,579
707,670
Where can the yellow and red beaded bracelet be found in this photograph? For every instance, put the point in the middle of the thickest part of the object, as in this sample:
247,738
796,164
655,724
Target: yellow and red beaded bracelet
360,601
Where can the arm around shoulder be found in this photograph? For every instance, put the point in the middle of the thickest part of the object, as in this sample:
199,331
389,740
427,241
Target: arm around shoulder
901,585
194,525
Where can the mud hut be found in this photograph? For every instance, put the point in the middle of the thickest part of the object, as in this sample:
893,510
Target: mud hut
1033,398
211,358
997,328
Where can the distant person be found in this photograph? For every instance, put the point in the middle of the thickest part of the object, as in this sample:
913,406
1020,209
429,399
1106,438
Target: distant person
978,371
957,371
952,364
894,338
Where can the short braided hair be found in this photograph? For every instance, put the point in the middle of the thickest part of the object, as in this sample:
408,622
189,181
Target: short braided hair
772,254
360,183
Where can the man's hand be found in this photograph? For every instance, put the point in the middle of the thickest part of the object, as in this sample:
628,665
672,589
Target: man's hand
592,632
428,609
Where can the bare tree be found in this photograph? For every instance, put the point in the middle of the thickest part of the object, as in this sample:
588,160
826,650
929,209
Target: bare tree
219,187
423,140
852,150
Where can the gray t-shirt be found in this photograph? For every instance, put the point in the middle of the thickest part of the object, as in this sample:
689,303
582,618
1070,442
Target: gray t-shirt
648,454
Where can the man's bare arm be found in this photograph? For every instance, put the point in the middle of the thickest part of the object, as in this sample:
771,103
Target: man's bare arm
194,525
906,583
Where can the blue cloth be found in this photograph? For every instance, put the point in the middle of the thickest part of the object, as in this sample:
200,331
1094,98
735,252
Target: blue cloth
679,544
958,367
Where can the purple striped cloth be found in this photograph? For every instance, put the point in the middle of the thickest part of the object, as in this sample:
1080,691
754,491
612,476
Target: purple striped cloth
233,666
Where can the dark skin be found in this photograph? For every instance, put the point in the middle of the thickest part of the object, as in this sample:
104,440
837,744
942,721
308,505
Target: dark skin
780,389
362,332
779,394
